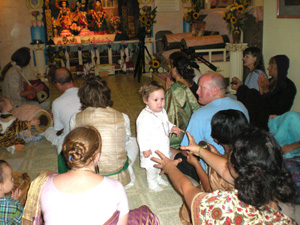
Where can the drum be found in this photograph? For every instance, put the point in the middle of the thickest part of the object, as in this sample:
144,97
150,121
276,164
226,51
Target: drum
40,96
31,112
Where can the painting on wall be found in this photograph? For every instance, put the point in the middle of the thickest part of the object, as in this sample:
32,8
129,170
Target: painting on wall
288,8
224,3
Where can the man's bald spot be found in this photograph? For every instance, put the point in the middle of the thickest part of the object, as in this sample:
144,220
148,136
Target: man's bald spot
63,76
216,80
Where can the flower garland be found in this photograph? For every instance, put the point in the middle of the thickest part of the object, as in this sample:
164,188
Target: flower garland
236,15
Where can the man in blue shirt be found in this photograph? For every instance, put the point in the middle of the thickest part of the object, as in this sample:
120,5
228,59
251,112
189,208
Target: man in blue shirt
211,92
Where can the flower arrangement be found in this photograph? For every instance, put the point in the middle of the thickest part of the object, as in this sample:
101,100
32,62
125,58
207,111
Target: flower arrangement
191,16
236,15
147,17
154,64
115,20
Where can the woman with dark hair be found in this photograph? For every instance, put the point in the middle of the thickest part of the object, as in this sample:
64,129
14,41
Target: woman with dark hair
279,91
119,149
13,84
181,102
253,60
256,169
226,126
275,96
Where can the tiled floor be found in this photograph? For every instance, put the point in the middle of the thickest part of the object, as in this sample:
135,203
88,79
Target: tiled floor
41,155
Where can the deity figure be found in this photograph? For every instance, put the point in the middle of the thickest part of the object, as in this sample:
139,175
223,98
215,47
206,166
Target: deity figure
64,16
99,17
82,9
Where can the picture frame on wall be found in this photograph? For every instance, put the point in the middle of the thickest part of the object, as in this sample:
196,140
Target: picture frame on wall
288,8
224,3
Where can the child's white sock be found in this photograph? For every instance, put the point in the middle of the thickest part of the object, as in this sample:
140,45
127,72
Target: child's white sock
152,174
11,149
155,187
162,181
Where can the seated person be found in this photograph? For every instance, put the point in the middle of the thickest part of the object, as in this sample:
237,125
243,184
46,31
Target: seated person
275,96
119,149
279,91
194,65
226,125
11,209
253,60
81,186
13,84
10,128
180,101
95,198
255,164
63,108
285,129
211,91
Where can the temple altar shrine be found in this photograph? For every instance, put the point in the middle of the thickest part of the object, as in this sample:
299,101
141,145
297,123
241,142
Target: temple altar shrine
78,32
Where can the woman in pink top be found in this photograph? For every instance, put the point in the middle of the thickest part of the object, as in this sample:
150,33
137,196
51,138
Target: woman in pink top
80,196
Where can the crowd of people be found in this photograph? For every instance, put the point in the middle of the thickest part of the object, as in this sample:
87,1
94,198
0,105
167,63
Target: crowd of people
244,152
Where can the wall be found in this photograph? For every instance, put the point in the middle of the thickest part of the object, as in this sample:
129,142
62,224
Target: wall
15,28
281,36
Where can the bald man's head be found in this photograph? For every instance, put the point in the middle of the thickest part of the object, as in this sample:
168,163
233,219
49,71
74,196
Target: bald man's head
211,86
63,76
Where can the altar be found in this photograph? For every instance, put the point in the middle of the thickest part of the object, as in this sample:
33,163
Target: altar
97,53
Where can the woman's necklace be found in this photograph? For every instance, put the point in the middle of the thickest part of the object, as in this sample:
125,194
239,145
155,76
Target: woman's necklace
163,125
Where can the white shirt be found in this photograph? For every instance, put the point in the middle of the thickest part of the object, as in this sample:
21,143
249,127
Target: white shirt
153,134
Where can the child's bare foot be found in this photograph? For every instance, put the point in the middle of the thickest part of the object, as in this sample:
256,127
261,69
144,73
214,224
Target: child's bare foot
19,147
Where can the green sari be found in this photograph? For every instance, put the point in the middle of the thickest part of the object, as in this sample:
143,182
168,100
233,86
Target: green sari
180,105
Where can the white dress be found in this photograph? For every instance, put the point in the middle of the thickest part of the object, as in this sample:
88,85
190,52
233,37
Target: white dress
153,134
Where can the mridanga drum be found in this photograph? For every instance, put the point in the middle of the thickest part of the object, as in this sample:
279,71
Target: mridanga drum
31,112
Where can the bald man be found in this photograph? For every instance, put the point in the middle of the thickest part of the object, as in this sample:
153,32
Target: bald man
63,108
212,94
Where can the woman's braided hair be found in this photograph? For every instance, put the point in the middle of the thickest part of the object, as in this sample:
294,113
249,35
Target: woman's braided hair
81,146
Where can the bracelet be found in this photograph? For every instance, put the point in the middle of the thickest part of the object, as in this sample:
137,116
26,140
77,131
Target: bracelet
205,146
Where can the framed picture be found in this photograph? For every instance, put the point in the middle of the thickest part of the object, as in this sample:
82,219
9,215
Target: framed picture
288,8
224,3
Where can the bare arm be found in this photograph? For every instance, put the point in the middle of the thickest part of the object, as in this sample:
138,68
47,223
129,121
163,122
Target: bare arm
123,220
218,163
181,183
290,147
35,89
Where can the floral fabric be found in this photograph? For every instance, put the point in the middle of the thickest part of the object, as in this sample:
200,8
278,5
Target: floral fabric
224,207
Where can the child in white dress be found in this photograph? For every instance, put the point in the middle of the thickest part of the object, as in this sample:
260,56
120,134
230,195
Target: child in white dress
153,128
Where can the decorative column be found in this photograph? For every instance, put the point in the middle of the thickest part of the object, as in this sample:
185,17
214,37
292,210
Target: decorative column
39,58
236,59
